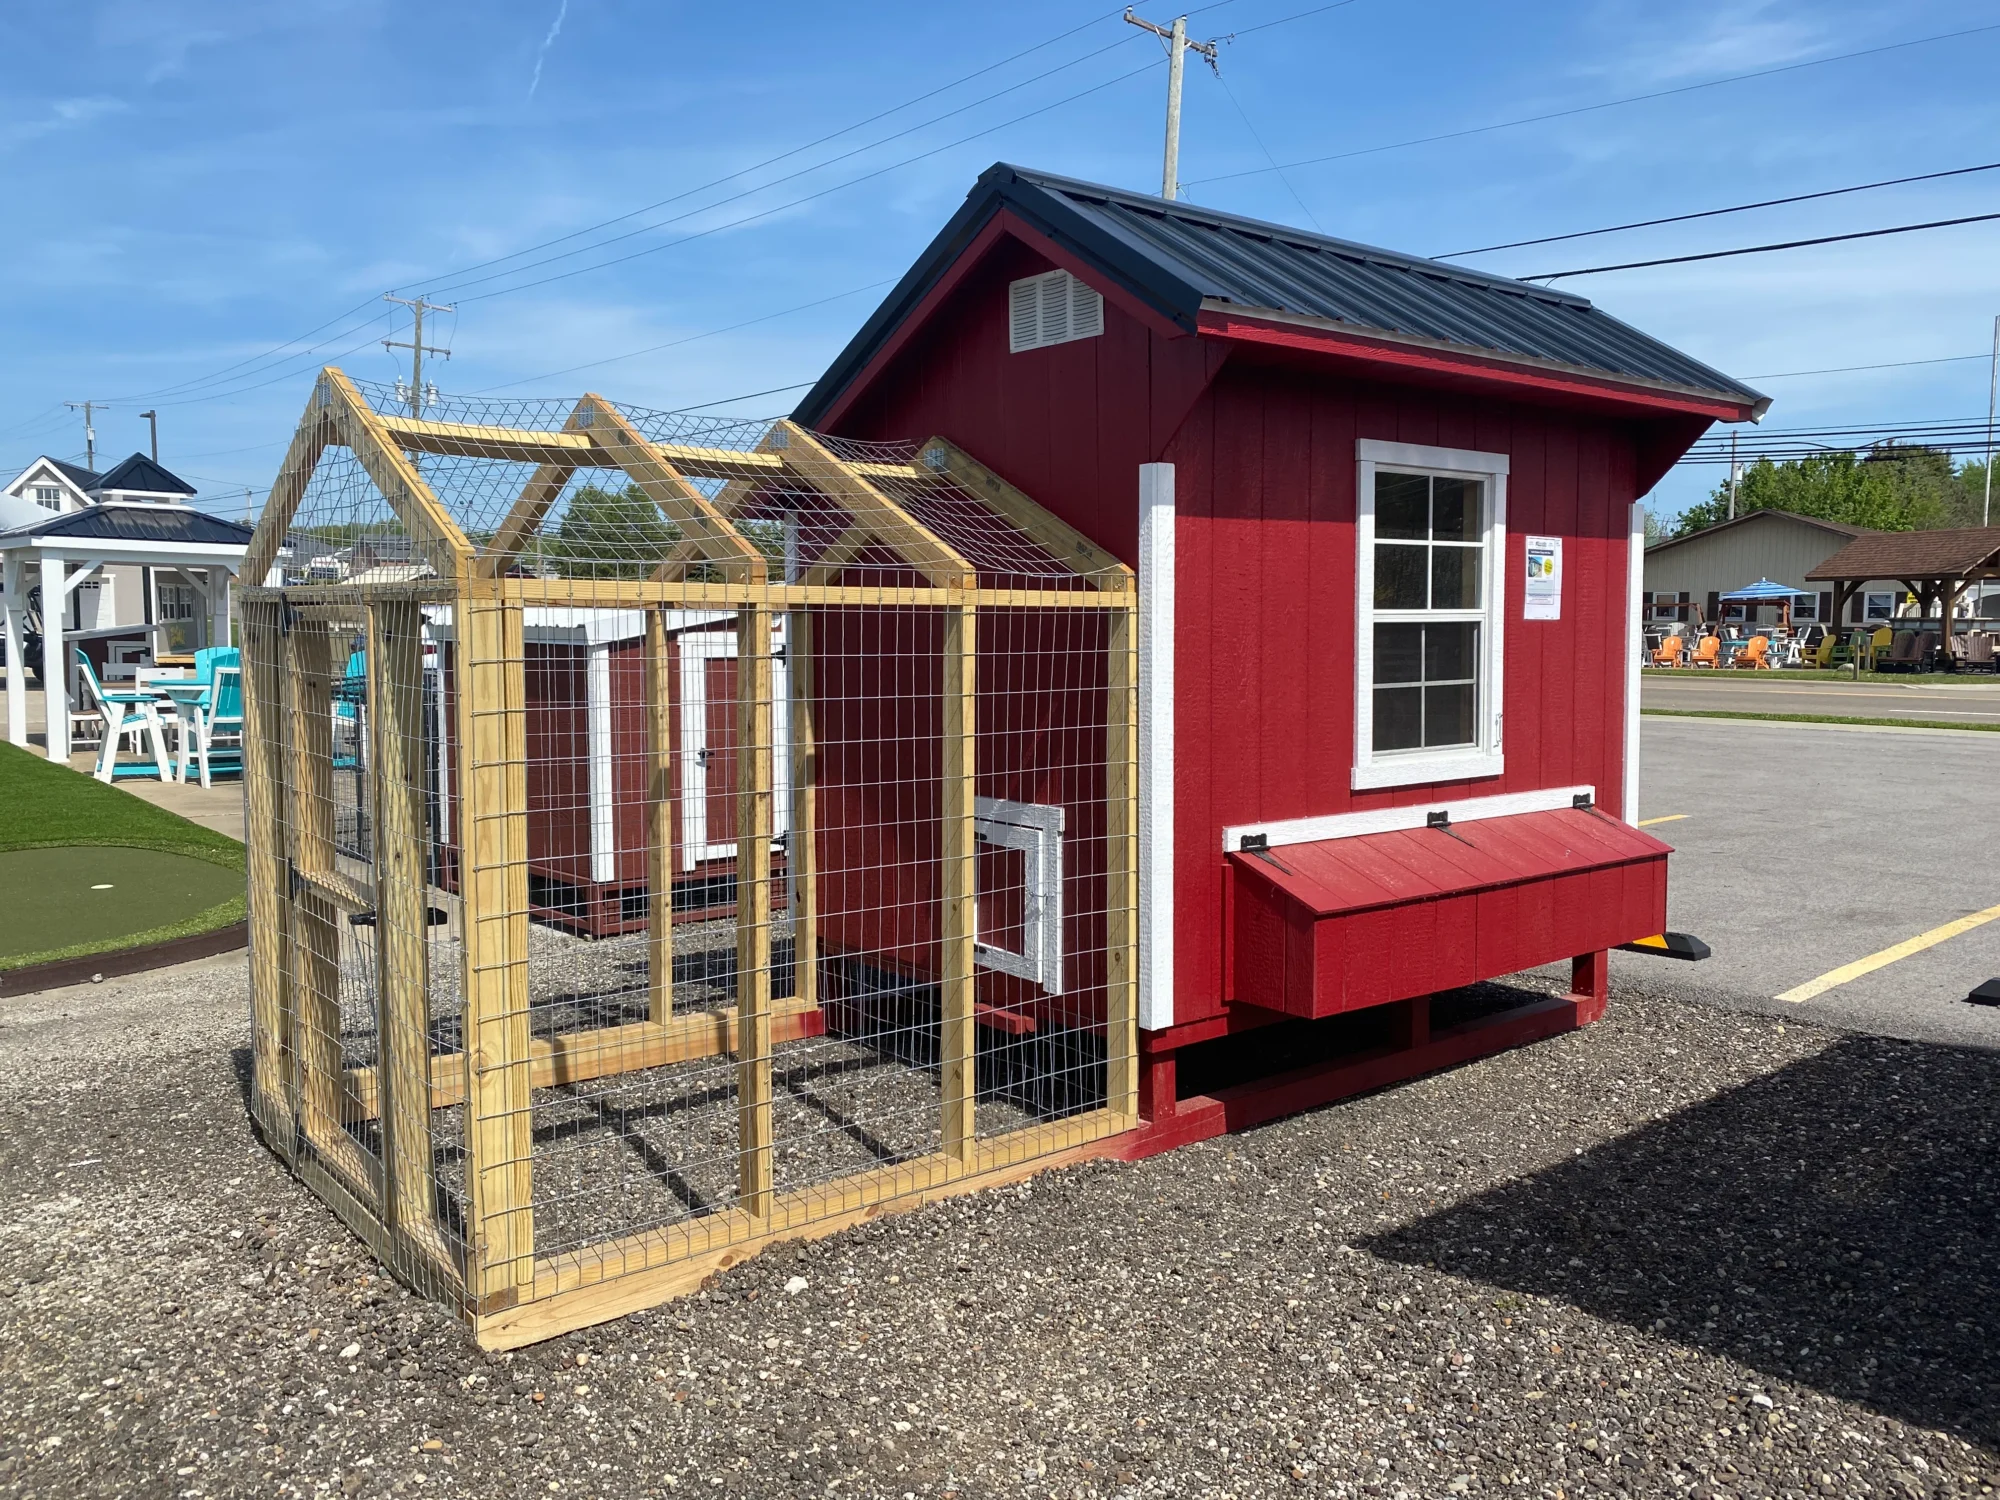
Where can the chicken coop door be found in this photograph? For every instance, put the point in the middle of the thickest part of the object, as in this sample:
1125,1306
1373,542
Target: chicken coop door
708,746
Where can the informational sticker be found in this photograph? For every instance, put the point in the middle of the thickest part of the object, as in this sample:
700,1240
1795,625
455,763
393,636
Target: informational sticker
1545,579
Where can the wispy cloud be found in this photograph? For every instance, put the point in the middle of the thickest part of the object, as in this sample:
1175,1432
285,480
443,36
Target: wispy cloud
542,52
62,114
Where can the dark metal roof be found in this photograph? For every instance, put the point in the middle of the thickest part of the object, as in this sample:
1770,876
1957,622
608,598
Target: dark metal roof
139,475
1180,257
140,523
84,479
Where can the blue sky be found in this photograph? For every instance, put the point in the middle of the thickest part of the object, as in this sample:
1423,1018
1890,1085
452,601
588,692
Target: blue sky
195,182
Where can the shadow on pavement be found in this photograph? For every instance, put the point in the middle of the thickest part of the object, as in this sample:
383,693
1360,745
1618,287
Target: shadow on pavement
1835,1224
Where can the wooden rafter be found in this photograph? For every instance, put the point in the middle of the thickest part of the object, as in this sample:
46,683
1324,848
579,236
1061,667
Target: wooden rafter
1061,540
314,432
395,476
856,492
647,465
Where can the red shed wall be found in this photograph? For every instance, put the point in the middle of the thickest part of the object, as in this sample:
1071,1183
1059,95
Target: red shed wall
1264,450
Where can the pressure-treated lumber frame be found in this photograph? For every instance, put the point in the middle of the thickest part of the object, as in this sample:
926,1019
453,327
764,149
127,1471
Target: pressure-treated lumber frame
363,1136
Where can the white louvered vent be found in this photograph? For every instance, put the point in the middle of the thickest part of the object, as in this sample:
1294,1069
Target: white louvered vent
1053,308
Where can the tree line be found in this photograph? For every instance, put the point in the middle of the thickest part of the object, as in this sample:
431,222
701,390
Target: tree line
1890,487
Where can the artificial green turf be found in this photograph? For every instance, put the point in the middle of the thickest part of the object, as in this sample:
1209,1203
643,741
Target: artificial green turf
44,805
94,894
1709,713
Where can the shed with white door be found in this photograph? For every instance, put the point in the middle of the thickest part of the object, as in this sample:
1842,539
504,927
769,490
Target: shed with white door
1384,516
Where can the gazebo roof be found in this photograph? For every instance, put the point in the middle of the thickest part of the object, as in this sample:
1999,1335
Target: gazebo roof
115,522
1962,552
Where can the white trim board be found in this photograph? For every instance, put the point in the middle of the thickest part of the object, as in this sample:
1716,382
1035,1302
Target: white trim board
1397,819
1156,746
1635,645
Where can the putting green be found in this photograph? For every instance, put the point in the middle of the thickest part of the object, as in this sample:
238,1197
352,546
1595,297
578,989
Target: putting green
59,898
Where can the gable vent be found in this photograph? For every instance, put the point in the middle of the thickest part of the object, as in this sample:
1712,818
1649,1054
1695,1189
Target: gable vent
1053,308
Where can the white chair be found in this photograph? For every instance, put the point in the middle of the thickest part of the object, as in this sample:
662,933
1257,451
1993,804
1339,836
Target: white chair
216,715
126,716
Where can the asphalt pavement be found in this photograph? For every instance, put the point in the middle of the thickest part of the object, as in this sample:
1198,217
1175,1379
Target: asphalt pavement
1969,700
1801,848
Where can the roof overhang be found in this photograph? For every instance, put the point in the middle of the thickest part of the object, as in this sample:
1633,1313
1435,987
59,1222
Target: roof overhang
122,550
1411,354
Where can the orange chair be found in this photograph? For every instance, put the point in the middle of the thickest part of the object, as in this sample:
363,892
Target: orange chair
1756,654
1708,651
1669,654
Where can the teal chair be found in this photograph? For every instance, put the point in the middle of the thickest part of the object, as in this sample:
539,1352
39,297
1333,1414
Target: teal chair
206,726
142,711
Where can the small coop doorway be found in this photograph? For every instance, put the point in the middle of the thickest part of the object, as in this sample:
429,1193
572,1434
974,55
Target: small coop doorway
503,1024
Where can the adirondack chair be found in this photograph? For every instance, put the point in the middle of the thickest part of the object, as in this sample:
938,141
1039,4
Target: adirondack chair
1755,655
1708,651
218,719
1669,654
127,716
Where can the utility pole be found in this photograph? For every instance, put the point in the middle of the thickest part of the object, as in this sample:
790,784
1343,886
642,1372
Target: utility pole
1735,473
89,432
1992,389
417,347
153,422
1178,46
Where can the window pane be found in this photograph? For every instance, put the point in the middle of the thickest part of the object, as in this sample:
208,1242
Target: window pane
1455,577
1398,718
1402,505
1399,576
1399,653
1447,714
1449,652
1455,509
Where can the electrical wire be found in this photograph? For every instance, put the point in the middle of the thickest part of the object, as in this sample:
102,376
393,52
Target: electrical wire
1895,364
1824,239
1710,213
1584,109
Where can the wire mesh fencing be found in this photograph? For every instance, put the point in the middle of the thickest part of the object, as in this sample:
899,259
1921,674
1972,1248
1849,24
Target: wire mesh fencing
669,836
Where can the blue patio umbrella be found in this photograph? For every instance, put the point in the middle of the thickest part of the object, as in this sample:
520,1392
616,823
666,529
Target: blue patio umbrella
1763,591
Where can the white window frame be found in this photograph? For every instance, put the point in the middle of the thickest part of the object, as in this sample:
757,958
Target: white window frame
1868,606
1420,767
1036,829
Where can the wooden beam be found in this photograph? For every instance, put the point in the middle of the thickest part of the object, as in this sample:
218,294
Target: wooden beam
644,1270
633,593
395,476
402,958
957,683
854,491
624,446
1060,539
314,432
264,780
493,840
469,440
1121,874
660,661
753,909
849,545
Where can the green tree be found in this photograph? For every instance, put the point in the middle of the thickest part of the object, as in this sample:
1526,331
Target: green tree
609,534
1892,487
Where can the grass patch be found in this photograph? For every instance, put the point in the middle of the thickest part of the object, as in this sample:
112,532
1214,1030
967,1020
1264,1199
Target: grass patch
1717,713
50,806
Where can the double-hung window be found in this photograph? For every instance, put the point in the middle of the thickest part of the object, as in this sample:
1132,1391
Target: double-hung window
1431,542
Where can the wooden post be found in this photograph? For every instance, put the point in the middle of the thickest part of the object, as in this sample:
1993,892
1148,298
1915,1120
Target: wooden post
493,832
802,840
753,908
1947,607
269,881
315,922
402,991
1590,985
659,818
958,1044
1121,872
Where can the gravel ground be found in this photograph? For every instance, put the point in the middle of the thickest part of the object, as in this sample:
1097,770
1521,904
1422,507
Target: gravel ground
1688,1252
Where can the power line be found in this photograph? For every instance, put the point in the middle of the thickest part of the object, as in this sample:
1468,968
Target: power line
1894,364
1710,213
1825,239
776,390
1584,109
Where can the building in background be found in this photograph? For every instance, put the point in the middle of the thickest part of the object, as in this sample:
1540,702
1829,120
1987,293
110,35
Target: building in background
1686,577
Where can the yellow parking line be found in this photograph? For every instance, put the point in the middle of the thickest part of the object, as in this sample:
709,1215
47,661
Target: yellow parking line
1669,818
1888,956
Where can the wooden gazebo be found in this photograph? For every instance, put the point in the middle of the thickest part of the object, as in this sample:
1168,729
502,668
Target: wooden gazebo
1935,566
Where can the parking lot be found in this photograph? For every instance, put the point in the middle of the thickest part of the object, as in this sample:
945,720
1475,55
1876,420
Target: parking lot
1717,1245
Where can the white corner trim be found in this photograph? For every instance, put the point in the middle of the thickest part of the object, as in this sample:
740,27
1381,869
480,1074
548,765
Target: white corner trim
1464,460
1396,819
1635,644
1156,746
597,734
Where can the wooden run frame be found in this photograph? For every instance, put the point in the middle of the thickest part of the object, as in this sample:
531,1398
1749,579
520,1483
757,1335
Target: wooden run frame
363,1134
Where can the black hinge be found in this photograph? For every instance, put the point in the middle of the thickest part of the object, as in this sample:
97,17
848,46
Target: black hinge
1582,802
288,616
292,881
1255,843
1439,819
